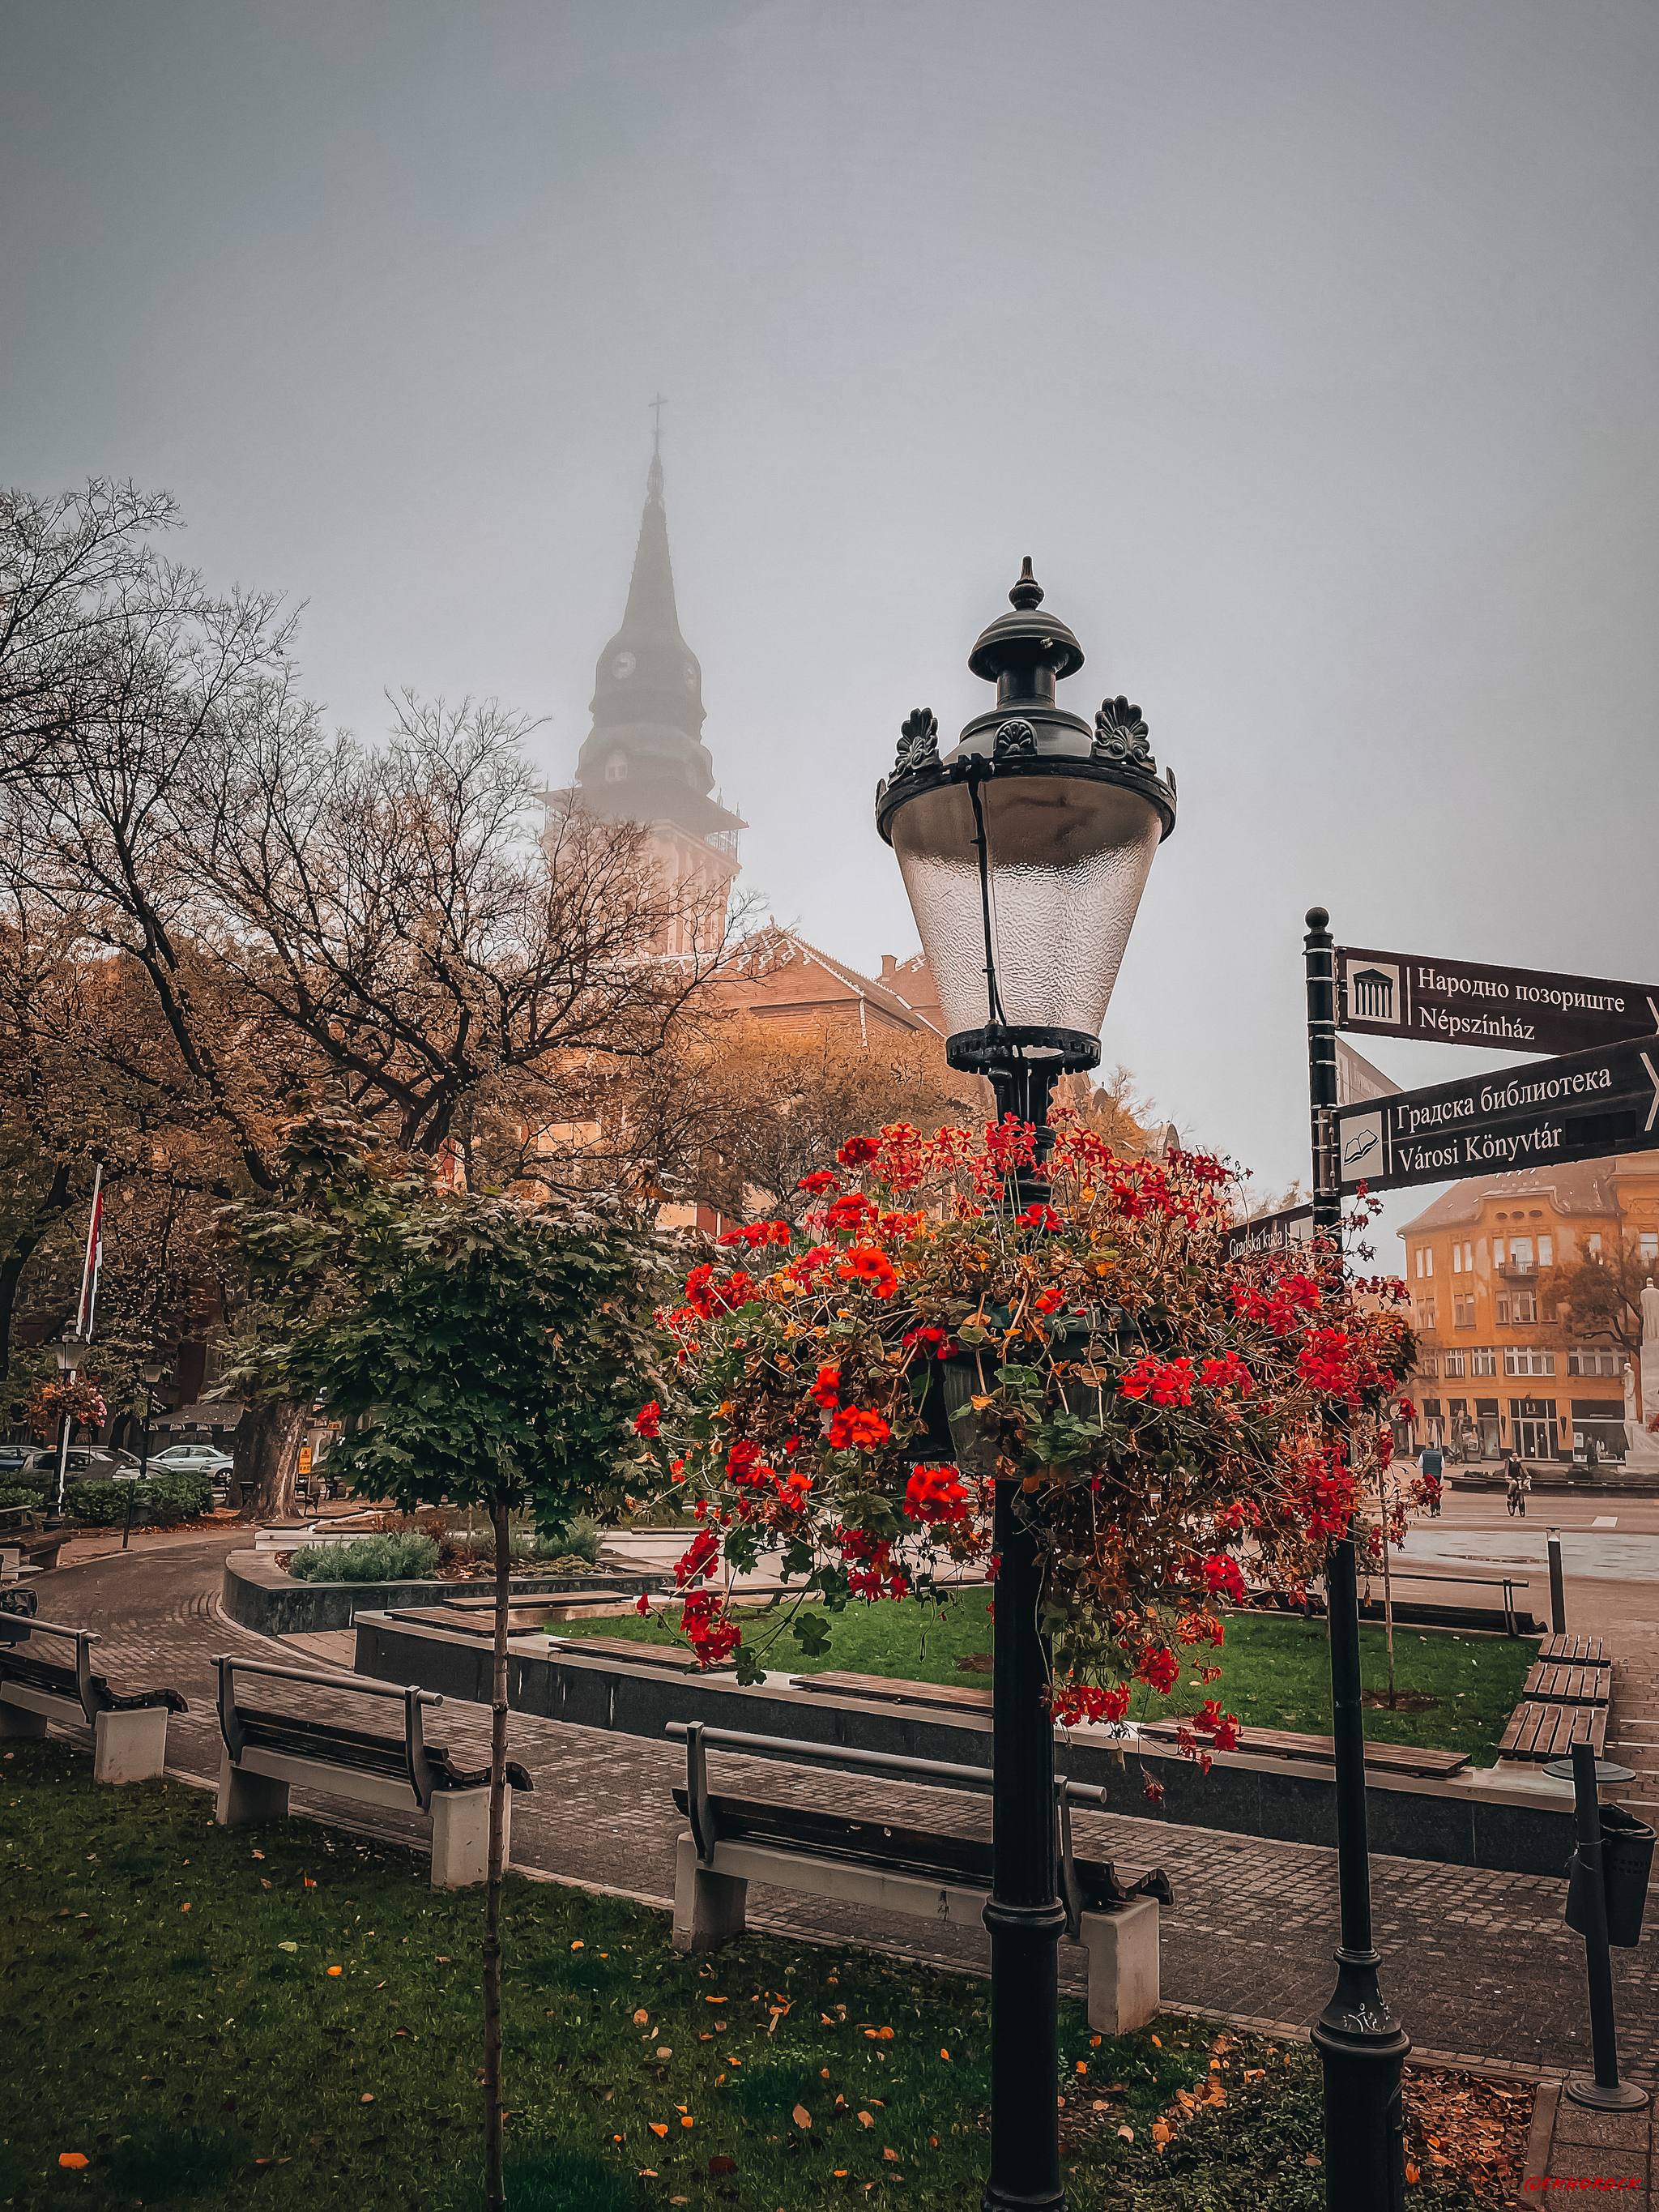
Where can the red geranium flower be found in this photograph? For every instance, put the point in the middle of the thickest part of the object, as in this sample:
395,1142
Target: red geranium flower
855,1428
647,1422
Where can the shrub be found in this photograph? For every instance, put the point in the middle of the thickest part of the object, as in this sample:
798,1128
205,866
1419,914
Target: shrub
409,1557
97,1505
578,1538
175,1496
23,1494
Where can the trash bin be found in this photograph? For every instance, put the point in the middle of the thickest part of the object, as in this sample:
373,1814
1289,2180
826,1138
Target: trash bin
1627,1860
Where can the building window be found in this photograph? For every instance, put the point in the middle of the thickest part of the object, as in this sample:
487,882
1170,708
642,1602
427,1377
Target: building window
1463,1309
1483,1360
1521,1252
1501,1302
615,769
1595,1244
1451,1364
1520,1307
1520,1359
1468,1259
1420,1263
1546,1251
1426,1365
1428,1259
1425,1313
1587,1360
1497,1250
1650,1244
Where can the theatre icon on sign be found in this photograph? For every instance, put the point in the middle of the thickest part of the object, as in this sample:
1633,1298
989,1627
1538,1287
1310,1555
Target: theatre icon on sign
1374,993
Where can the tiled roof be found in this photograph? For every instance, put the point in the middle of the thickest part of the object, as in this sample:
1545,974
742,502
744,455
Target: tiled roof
774,949
1585,1187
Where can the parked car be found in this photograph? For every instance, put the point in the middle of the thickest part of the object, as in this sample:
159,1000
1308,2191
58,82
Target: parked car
192,1459
87,1463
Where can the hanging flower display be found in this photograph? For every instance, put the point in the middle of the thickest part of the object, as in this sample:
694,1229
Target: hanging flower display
1180,1426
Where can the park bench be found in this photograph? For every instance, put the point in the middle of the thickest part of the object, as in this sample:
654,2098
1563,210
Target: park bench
1289,1743
1570,1685
129,1733
1574,1651
266,1753
1538,1732
733,1840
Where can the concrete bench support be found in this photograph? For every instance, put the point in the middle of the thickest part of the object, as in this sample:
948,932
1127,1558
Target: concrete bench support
254,1792
129,1745
711,1902
1123,1979
709,1908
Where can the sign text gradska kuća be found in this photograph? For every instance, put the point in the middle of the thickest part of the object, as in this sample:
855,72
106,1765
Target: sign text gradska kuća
1471,1003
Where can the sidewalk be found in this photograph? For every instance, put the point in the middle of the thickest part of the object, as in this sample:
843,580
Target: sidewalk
1574,2148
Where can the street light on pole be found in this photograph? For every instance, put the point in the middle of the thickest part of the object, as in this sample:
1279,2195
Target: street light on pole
152,1376
69,1351
1025,852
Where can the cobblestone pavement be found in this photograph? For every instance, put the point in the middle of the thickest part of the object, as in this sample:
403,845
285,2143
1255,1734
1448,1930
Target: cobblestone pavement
1479,1965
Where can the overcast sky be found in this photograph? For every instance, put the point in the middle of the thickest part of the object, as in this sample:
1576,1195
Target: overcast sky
1309,351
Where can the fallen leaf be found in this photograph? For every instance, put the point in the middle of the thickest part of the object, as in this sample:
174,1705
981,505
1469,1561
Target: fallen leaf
74,2159
1094,2042
1157,2044
579,1945
887,2151
687,2121
640,2017
825,2020
665,2050
442,1961
335,1970
1413,2174
259,1855
184,1908
368,2097
1311,2161
713,2000
1082,2065
308,1882
263,1882
1162,2132
649,2172
867,2119
945,2056
802,2118
1128,2134
288,1947
658,2127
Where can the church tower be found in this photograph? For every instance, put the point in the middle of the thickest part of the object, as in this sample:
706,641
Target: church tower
644,760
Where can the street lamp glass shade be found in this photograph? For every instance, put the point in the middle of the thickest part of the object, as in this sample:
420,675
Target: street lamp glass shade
68,1350
1068,859
153,1375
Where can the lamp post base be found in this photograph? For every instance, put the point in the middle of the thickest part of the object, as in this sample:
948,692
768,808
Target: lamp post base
1622,2097
1363,2051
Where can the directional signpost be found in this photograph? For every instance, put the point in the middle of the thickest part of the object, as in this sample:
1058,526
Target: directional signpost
1271,1232
1536,1114
1467,1002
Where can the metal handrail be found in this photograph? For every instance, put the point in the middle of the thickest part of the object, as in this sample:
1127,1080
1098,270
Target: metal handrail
1508,1583
359,1682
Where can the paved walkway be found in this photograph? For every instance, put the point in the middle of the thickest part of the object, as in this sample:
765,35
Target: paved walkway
1479,1965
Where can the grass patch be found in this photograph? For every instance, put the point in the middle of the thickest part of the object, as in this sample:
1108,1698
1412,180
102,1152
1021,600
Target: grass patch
1276,1669
209,2058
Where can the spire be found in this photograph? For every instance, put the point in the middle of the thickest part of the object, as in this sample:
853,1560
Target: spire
652,616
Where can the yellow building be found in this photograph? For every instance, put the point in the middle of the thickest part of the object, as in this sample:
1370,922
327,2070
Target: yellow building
1498,1369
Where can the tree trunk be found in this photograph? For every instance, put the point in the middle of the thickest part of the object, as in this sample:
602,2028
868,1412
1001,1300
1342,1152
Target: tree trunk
495,2195
267,1457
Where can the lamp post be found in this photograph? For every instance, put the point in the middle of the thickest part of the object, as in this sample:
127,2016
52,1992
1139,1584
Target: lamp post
69,1351
152,1376
1361,2045
1025,852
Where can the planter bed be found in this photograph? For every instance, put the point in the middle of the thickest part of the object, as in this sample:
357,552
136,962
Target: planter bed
264,1597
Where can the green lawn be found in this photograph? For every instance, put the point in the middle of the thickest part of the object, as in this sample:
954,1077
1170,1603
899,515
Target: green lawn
1275,1668
170,2017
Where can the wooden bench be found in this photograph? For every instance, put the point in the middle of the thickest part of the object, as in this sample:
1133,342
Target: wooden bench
959,1697
1288,1743
129,1733
1568,1685
1538,1732
1574,1651
731,1841
266,1753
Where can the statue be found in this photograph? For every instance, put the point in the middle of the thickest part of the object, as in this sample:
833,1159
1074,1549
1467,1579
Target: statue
1650,1351
1641,1446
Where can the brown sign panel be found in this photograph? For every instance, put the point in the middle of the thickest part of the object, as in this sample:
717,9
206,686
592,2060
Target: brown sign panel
1540,1114
1467,1002
1270,1233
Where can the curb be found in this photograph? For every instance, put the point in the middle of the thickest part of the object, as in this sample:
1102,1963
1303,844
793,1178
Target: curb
1540,2136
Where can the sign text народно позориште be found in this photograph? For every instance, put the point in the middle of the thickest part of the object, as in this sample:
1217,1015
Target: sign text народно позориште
1470,1002
1583,1106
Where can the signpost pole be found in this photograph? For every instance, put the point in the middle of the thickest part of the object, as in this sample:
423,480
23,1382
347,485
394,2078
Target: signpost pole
1362,2045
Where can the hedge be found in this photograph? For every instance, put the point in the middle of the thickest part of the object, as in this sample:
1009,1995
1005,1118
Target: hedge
406,1558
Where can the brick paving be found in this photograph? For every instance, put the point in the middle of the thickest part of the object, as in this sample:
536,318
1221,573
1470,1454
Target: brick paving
1478,1964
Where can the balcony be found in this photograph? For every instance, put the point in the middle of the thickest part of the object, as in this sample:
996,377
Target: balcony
1518,1271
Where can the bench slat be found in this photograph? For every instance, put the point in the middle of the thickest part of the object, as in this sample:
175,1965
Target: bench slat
1287,1743
1538,1731
890,1690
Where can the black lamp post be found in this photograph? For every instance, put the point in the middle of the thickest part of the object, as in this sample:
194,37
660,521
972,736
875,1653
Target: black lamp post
69,1351
1024,854
152,1376
1361,2043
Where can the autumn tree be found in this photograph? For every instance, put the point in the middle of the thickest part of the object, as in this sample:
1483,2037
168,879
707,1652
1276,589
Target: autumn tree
1601,1295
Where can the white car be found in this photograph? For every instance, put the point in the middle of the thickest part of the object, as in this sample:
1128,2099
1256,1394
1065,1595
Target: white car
192,1459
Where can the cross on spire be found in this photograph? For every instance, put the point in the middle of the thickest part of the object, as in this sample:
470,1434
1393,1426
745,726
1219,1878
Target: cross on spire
655,407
